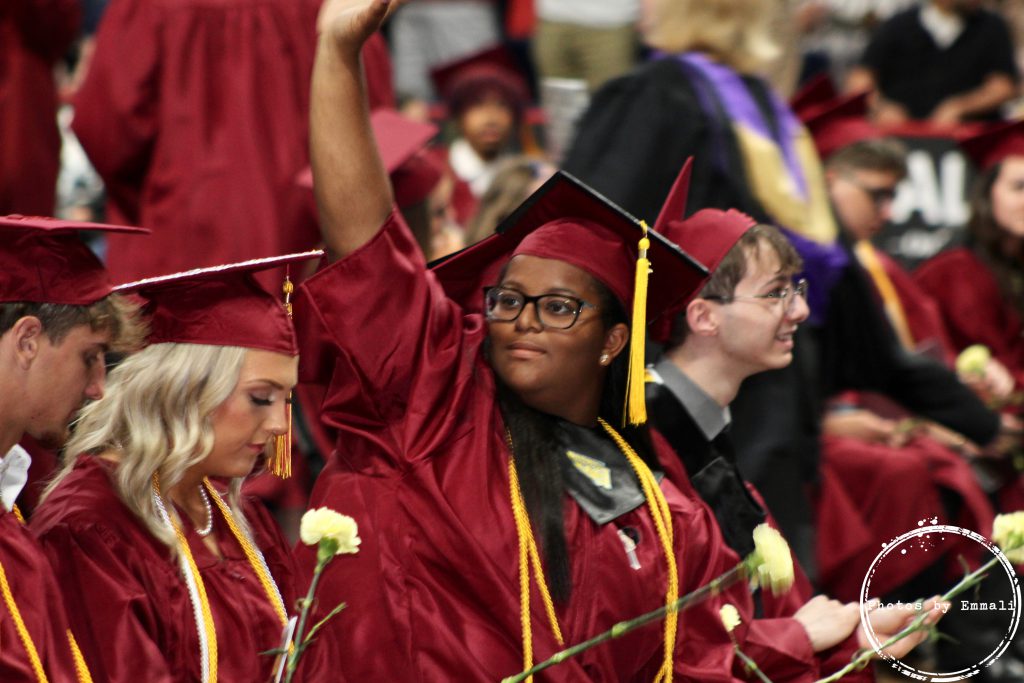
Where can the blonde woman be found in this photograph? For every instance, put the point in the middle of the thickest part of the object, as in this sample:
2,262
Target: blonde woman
167,573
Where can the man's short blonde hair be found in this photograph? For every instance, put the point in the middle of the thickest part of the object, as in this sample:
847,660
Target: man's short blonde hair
114,313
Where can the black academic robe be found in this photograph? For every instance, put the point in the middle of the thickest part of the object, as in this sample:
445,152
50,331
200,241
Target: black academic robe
640,129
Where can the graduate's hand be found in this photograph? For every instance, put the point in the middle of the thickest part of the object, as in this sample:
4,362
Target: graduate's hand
350,23
888,621
864,425
827,622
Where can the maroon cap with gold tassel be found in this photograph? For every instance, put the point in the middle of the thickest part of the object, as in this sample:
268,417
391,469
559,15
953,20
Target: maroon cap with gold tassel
226,306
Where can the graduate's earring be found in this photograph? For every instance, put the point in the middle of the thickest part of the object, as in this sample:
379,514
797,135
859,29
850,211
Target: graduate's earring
604,359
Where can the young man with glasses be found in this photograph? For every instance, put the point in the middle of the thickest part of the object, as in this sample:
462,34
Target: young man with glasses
742,322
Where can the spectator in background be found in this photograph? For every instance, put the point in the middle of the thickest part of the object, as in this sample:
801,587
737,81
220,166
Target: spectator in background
195,114
987,304
703,95
590,40
34,34
429,33
834,33
946,61
516,179
487,100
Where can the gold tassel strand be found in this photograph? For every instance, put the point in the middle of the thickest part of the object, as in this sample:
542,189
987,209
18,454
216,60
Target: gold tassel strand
636,409
281,462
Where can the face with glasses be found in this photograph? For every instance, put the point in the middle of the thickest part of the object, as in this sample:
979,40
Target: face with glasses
863,199
548,336
754,327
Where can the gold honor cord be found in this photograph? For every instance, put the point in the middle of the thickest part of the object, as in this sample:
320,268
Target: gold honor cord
197,592
81,668
663,523
252,553
868,257
528,555
19,625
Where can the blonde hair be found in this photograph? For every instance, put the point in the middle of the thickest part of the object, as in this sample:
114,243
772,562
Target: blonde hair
155,415
735,32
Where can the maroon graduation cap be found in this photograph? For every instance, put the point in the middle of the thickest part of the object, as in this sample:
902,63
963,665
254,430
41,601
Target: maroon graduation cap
461,82
221,306
816,92
567,221
988,148
44,260
707,236
841,122
401,141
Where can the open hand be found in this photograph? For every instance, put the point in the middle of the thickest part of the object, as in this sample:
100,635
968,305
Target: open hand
349,23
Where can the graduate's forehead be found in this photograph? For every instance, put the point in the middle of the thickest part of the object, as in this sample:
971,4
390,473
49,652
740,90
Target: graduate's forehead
536,275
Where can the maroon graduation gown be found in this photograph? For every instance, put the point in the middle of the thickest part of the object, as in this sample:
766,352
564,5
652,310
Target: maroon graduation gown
775,640
422,466
872,492
973,308
34,34
195,114
39,602
126,598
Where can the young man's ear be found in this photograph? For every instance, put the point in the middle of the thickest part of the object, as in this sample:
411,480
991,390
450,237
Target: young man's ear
27,334
702,317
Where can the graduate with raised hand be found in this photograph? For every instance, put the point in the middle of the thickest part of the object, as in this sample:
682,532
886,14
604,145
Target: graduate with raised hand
504,508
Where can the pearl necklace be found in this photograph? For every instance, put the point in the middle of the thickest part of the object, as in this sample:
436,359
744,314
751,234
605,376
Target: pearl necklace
205,531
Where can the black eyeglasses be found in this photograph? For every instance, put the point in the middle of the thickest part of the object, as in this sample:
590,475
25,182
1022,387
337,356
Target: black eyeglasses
878,195
557,311
787,294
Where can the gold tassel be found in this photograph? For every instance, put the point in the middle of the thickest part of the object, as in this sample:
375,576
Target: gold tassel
281,461
636,407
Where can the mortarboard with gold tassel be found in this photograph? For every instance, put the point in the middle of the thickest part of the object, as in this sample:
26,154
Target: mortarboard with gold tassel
225,306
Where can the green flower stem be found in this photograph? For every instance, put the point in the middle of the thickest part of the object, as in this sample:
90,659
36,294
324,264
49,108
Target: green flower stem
750,663
316,627
715,586
859,661
307,604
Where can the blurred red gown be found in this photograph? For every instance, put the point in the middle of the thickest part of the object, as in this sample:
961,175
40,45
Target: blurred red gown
422,465
973,308
874,492
195,113
34,35
126,598
39,602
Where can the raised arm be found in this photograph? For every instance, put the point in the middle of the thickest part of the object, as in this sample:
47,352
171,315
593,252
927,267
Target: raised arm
352,189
